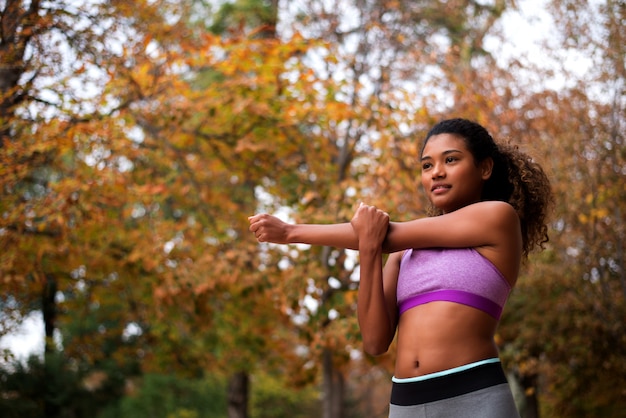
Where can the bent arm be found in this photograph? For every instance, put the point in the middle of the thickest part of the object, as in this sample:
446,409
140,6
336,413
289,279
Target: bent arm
377,310
376,304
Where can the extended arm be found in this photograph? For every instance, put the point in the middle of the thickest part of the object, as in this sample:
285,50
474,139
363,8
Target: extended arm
268,228
376,304
482,224
476,225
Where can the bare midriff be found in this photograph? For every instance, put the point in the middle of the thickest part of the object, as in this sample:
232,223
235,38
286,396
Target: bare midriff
442,335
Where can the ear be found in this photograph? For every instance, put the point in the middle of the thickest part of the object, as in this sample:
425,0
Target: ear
486,167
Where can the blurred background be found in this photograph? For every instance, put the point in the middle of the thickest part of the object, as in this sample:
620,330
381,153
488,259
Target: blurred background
137,137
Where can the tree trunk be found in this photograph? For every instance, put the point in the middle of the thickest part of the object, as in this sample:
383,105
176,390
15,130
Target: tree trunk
531,410
333,387
238,388
48,308
49,311
17,30
525,393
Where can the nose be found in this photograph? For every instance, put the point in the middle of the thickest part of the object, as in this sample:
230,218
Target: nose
438,171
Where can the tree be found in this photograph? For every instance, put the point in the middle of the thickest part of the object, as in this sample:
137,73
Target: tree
124,201
380,71
572,299
143,202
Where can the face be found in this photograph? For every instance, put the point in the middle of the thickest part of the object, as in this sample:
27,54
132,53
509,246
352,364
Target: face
450,177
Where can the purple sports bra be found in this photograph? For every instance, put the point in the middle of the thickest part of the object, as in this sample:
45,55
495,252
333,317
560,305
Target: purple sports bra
460,275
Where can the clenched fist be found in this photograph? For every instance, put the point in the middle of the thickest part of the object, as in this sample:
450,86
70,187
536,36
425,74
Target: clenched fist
268,228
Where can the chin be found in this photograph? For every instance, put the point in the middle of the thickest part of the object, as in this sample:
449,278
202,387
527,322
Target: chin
441,204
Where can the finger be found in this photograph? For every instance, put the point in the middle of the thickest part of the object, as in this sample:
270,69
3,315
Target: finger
254,217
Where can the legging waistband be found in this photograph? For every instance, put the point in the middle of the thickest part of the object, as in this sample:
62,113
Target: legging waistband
447,384
445,372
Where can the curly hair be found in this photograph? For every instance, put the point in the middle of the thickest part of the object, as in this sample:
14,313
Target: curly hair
516,178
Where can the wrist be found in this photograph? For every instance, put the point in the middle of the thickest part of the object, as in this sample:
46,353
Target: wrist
291,233
369,249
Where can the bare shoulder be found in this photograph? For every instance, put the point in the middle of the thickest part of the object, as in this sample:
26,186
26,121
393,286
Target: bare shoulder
498,219
491,211
492,216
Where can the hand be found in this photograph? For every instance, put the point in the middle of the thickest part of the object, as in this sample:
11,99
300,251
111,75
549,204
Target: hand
370,225
268,228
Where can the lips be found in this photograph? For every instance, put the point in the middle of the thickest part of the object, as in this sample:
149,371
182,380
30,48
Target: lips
438,188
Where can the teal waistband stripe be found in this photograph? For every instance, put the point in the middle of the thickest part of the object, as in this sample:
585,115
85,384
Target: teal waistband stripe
444,372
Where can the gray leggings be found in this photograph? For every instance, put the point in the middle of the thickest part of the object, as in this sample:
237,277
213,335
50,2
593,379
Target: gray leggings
478,392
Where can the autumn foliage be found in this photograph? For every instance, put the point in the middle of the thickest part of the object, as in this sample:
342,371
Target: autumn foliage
136,138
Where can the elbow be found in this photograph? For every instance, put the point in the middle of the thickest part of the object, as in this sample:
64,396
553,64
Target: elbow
375,348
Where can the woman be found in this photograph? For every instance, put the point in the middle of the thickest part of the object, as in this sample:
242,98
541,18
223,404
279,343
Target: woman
448,276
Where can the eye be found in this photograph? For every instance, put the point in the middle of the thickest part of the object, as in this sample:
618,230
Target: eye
426,166
451,159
